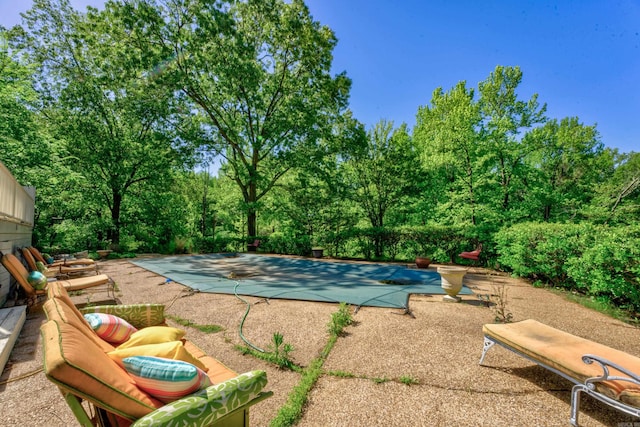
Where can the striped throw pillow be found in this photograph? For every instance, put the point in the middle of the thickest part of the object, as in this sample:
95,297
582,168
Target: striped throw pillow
165,379
110,328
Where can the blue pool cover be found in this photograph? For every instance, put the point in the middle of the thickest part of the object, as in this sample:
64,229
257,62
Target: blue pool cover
359,284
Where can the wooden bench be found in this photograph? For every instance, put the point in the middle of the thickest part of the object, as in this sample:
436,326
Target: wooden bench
606,374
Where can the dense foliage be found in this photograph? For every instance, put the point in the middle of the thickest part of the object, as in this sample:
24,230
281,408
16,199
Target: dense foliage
596,260
199,125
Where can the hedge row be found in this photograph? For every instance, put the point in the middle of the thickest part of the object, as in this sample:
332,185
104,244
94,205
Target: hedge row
440,243
599,261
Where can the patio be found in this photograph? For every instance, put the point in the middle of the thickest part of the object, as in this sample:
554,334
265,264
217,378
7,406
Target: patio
366,374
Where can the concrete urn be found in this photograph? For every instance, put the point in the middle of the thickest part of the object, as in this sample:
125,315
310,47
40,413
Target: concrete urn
451,281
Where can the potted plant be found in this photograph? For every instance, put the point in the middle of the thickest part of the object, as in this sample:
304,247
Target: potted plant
422,261
104,253
422,248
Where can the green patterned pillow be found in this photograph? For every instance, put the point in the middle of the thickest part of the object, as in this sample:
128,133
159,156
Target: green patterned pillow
41,267
139,315
206,406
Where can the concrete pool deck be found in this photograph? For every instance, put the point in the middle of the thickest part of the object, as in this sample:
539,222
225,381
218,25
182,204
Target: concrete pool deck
389,369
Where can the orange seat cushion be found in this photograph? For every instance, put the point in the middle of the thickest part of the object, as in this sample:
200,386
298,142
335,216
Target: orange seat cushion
56,310
78,361
76,364
85,282
563,351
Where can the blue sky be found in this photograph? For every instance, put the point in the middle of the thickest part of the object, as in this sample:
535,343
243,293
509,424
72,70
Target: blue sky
581,57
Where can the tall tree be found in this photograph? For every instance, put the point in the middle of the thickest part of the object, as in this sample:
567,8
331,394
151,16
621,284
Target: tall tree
447,132
22,150
103,100
617,199
382,173
505,117
28,149
567,158
258,75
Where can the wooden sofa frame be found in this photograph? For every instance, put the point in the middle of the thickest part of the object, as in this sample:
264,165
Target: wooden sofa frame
604,373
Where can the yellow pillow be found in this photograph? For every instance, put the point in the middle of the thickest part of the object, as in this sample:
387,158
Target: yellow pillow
170,350
153,335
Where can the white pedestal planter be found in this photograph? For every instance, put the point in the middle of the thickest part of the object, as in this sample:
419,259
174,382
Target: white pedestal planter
451,281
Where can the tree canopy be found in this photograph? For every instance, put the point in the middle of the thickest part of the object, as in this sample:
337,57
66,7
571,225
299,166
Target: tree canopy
117,115
257,76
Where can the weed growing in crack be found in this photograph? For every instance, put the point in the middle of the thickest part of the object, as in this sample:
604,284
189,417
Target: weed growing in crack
280,352
408,380
500,299
340,320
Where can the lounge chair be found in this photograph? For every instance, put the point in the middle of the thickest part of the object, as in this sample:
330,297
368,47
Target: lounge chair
473,255
253,247
606,374
20,274
100,392
58,270
65,262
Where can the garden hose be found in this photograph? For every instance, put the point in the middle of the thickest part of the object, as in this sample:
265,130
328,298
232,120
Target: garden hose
243,319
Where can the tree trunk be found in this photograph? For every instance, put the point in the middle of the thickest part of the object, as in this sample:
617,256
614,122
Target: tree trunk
204,204
252,229
114,232
251,222
251,213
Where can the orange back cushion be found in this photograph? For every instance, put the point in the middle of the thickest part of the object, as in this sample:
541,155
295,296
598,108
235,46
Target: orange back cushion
74,363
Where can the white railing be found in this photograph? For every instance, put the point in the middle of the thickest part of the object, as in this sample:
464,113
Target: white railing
16,202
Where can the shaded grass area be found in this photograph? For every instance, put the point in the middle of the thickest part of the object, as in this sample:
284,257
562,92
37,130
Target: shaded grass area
601,305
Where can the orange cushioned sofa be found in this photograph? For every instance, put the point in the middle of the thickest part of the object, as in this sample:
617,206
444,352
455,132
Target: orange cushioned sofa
76,359
606,374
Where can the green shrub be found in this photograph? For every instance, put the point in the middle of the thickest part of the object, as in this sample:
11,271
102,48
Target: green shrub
219,244
440,243
340,320
541,251
610,267
180,245
282,243
599,261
